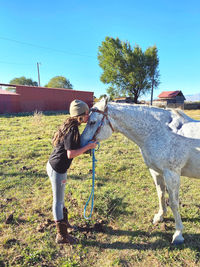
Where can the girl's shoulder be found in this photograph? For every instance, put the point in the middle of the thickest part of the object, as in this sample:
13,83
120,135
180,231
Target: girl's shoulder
73,130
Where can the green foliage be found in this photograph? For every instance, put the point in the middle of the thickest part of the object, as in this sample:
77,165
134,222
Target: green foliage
23,81
129,71
59,82
152,66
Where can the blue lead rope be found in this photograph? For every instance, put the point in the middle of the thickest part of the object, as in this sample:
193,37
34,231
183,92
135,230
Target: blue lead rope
93,182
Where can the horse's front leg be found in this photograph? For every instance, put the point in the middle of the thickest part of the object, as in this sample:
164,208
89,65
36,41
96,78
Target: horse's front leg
172,180
160,187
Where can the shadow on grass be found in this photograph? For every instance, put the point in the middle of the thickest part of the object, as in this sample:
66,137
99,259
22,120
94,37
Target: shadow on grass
163,238
184,219
192,241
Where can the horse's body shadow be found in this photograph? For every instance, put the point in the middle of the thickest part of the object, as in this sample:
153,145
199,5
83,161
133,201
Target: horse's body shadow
192,240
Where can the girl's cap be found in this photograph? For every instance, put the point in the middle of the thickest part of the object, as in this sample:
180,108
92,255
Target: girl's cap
77,108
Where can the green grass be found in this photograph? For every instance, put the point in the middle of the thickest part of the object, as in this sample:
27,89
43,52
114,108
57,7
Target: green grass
120,232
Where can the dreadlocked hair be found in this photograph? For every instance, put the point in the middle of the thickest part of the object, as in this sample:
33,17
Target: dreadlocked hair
64,129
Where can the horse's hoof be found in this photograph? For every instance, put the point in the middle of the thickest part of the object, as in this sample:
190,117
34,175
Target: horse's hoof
157,218
177,239
177,242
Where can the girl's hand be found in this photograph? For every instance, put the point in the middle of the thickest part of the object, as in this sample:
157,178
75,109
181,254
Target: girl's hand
76,152
92,144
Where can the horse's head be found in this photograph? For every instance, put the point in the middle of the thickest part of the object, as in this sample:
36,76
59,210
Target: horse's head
98,126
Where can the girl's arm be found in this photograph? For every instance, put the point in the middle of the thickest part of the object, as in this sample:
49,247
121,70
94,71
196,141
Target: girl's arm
74,153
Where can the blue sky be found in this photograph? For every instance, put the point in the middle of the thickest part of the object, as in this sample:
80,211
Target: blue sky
64,37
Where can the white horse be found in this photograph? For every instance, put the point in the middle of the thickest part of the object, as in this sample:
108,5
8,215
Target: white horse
169,142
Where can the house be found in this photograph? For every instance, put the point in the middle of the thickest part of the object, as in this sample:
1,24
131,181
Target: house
31,98
170,99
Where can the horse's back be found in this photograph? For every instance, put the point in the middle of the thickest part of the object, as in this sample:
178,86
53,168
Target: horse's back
190,129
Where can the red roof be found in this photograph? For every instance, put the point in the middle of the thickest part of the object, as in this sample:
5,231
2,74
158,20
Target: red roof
5,92
169,94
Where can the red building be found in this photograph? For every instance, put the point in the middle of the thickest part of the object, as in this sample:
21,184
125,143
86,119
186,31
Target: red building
31,98
170,99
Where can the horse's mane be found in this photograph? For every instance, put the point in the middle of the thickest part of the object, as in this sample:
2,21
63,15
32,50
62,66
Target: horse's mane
176,112
181,114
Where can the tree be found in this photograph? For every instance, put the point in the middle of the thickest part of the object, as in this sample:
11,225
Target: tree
59,82
23,81
124,68
152,65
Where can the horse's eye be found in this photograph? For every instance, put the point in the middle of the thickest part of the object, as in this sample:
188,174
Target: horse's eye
92,123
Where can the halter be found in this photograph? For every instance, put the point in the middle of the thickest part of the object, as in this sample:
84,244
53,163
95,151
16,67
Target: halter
105,115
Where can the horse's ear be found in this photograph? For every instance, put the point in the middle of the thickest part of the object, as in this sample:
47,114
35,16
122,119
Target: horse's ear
102,104
105,100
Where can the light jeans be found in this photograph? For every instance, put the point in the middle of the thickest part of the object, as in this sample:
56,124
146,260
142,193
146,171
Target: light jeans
58,181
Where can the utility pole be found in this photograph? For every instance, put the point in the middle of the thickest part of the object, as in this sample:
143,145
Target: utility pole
38,73
152,95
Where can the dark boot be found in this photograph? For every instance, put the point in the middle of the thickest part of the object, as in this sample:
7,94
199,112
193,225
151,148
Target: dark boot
65,214
62,234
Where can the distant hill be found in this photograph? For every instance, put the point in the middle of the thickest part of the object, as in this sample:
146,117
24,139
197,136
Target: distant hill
193,98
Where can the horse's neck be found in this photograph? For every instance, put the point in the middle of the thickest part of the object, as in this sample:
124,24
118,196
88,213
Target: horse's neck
135,122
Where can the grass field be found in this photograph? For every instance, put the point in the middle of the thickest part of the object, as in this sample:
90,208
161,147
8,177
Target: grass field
120,232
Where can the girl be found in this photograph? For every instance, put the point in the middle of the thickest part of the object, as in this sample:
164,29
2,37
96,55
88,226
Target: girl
66,144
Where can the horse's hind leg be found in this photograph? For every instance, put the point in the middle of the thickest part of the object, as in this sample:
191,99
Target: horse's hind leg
172,181
160,187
